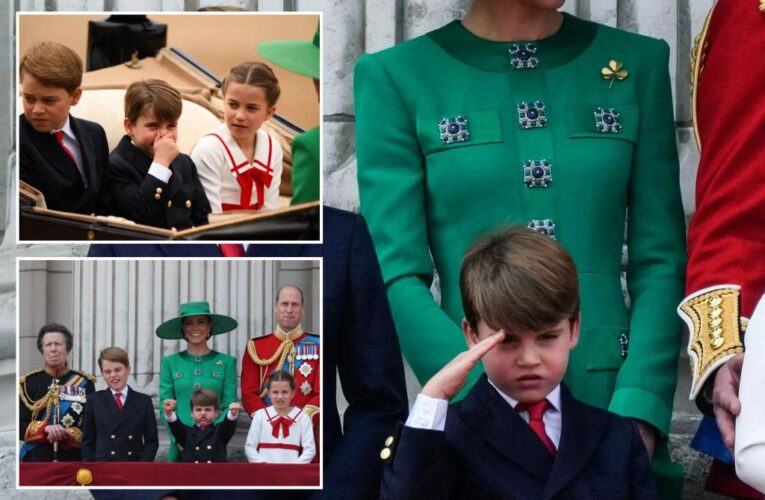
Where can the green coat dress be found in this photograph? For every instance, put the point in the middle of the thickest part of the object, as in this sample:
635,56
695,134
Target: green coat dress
442,155
306,167
181,373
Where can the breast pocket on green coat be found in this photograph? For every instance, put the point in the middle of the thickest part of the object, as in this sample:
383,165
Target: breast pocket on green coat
601,142
457,129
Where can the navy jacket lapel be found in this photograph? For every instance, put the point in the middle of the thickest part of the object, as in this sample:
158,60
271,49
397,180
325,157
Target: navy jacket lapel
581,434
87,153
502,429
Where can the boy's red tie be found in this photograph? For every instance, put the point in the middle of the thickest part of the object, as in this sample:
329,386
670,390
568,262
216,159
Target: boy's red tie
536,412
60,139
232,249
118,400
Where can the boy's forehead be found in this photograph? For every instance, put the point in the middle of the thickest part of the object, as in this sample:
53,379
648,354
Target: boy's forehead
30,84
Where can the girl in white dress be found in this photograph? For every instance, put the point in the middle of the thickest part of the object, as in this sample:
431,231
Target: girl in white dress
240,166
281,433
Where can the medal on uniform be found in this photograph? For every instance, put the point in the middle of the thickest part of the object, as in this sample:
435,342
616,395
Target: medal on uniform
305,388
305,369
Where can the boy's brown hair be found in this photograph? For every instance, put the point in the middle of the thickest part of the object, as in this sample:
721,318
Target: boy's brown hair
281,376
53,65
160,97
256,74
114,354
516,278
203,397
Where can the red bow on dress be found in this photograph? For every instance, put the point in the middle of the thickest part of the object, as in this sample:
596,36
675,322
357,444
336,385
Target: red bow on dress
282,422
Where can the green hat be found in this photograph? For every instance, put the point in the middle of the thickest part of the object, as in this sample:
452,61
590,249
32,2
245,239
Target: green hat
300,56
173,328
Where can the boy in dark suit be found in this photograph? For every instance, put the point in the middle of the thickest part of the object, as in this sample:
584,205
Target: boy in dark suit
519,433
64,157
119,423
151,182
204,442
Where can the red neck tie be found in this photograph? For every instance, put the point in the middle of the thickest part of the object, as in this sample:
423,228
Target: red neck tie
118,400
232,249
282,422
536,412
60,139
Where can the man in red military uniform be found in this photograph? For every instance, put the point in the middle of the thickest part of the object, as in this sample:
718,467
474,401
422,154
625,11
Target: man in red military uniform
289,348
726,272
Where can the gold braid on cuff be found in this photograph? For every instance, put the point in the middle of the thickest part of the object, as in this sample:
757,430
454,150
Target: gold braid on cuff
713,319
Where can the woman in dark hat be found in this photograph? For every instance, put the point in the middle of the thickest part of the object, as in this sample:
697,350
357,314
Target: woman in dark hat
53,401
198,366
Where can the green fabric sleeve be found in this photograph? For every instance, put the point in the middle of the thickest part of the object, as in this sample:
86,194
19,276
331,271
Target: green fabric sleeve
656,246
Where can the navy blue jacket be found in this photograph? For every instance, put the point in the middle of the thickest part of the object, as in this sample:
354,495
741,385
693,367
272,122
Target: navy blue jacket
488,451
203,445
360,344
113,435
143,198
47,167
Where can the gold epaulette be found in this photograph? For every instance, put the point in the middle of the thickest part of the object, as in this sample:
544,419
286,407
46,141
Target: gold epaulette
714,326
310,410
86,375
23,378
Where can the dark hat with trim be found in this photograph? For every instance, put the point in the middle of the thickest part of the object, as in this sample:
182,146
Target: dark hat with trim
173,328
300,56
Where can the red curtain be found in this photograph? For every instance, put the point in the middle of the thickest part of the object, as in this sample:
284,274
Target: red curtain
166,474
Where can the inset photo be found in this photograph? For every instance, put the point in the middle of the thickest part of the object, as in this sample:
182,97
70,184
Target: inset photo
170,127
169,373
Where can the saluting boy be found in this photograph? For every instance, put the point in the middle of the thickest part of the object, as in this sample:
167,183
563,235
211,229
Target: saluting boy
203,442
119,424
519,433
64,157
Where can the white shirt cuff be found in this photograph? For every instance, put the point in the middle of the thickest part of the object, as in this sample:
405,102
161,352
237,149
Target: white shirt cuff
160,172
172,418
428,413
230,415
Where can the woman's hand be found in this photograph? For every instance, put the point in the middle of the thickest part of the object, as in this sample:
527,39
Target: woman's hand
55,433
449,380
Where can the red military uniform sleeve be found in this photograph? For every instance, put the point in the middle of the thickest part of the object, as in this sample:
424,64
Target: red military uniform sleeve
725,242
251,382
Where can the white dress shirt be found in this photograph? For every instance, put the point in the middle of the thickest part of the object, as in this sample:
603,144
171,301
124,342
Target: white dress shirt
124,392
70,141
430,413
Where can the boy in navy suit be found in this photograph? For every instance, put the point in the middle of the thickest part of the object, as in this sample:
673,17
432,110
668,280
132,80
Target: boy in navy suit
64,157
151,181
119,422
519,433
204,442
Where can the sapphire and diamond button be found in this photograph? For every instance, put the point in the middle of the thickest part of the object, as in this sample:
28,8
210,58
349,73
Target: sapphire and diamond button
537,173
545,227
607,120
531,114
453,129
523,56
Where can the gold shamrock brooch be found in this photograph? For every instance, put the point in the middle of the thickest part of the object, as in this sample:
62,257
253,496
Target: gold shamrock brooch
614,71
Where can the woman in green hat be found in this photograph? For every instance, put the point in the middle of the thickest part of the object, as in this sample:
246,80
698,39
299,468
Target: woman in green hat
198,366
